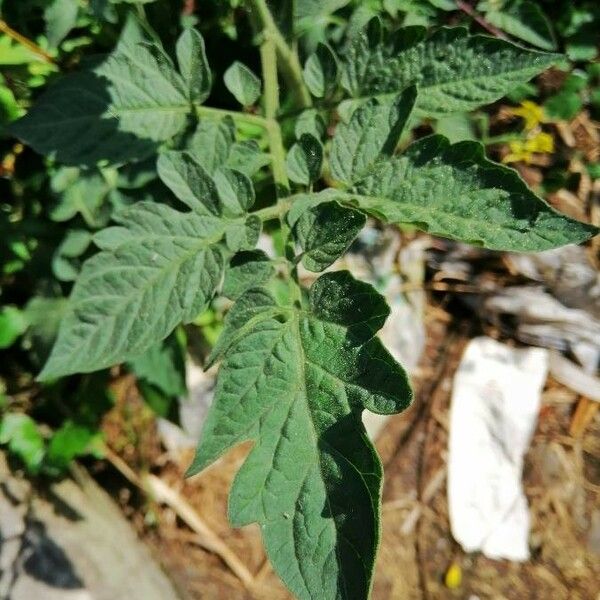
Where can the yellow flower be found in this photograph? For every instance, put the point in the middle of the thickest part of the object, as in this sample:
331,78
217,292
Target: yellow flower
523,150
540,142
453,576
532,113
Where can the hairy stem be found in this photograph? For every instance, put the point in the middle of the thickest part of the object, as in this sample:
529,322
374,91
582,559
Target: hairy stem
501,139
269,71
269,68
288,59
237,116
274,212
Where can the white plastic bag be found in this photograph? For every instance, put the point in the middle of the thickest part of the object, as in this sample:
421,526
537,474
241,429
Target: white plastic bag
495,403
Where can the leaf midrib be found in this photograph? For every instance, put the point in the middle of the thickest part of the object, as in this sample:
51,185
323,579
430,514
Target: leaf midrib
178,85
148,284
205,242
426,88
389,200
175,108
303,388
246,328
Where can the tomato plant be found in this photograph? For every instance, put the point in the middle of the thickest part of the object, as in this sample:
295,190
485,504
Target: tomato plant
318,144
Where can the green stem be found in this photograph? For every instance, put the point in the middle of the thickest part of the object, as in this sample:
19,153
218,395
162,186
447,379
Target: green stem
268,63
145,23
239,117
501,139
288,58
269,68
277,211
268,60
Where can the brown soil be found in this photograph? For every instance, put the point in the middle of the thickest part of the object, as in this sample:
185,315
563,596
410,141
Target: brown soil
562,481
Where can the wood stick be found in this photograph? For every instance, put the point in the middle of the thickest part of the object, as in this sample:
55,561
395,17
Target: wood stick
469,10
584,414
158,490
21,39
161,492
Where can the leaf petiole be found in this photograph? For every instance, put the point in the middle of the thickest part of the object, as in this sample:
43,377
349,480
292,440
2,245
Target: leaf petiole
237,116
274,212
288,58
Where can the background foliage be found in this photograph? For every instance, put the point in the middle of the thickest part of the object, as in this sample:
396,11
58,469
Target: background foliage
133,112
49,209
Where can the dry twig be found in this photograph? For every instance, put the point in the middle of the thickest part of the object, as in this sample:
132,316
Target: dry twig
21,39
469,10
160,492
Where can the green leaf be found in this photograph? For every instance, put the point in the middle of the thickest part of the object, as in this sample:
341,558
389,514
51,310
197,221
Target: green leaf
24,439
568,102
69,442
212,143
187,179
325,232
521,92
454,71
564,105
305,159
235,190
159,267
60,17
455,192
9,107
247,157
321,71
157,401
66,262
134,32
577,81
242,83
304,202
229,193
309,121
524,20
246,270
147,93
12,53
583,46
75,242
13,323
593,170
306,12
443,4
119,111
413,12
457,127
44,316
296,382
104,9
80,192
134,176
193,65
374,130
243,235
255,305
163,366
